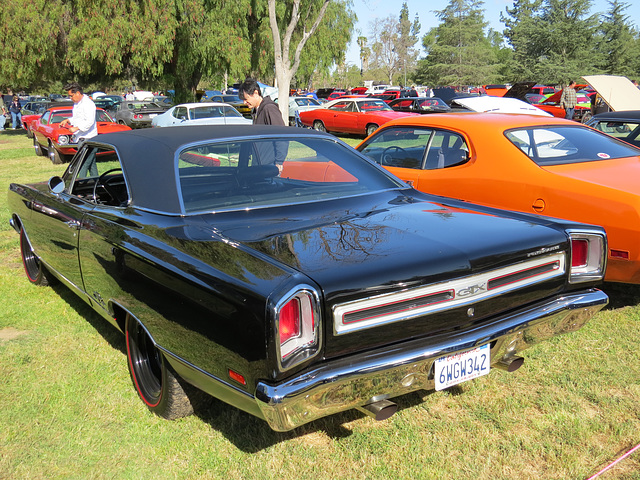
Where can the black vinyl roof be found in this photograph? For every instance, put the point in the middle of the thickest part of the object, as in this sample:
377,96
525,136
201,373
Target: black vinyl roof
148,156
633,115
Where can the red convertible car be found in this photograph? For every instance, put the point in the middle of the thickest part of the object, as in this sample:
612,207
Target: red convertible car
360,116
49,138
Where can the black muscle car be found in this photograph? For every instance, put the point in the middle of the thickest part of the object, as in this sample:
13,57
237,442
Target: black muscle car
284,273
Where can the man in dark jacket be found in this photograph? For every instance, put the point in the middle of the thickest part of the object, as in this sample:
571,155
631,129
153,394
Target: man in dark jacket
265,110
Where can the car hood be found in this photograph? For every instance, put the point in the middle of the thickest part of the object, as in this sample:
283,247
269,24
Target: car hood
358,249
619,174
498,105
618,92
519,90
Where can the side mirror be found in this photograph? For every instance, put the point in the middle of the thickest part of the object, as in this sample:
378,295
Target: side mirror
56,185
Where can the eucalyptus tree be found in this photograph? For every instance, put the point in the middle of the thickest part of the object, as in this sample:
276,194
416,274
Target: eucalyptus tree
458,50
409,35
293,23
327,47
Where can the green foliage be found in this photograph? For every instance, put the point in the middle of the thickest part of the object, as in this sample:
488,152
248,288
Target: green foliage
328,45
617,42
458,51
553,40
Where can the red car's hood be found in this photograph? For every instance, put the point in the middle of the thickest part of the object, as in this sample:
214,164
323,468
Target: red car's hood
109,127
620,173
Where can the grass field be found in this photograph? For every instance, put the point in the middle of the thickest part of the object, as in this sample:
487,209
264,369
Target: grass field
69,410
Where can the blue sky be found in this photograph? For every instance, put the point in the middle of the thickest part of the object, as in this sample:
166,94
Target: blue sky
368,10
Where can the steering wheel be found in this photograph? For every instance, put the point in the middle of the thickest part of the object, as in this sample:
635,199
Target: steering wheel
386,157
103,182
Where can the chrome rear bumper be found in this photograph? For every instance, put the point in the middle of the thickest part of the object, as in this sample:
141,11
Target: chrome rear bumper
380,374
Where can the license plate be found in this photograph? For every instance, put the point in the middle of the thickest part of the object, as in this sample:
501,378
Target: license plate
151,115
460,367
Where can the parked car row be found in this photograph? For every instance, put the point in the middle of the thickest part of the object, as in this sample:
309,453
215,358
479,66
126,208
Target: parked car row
294,277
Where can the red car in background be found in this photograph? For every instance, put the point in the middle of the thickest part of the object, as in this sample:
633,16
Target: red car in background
356,115
49,138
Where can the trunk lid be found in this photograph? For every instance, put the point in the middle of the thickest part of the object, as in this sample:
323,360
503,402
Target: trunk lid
393,251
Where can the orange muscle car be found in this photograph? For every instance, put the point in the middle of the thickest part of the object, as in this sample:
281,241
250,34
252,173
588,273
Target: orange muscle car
542,165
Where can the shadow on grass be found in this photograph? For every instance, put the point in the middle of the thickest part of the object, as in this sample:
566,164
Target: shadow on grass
251,434
248,433
10,132
621,295
112,335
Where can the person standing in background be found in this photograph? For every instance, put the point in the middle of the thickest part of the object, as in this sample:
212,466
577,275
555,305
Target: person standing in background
16,112
265,110
83,116
569,99
3,113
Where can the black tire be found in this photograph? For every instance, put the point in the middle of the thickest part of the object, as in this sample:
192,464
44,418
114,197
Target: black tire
151,375
371,128
28,132
586,117
37,147
33,268
54,155
319,126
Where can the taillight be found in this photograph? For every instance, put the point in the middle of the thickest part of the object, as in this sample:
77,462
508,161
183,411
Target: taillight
290,320
297,326
588,259
579,252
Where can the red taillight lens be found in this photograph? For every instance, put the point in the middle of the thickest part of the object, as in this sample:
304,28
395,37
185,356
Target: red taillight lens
296,327
579,252
290,320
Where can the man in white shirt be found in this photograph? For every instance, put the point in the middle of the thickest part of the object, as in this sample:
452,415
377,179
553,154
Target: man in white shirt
82,122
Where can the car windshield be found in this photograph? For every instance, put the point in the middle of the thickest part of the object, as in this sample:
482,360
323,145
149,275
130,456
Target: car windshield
305,102
213,111
142,105
373,105
268,172
557,145
231,99
627,130
429,103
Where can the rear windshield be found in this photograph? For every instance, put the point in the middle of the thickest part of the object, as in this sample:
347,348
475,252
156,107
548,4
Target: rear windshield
558,145
270,172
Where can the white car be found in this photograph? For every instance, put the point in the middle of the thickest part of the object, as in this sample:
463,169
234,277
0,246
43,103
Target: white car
487,103
208,113
301,104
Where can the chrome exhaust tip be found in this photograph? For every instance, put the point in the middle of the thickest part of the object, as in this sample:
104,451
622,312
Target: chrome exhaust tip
380,410
510,364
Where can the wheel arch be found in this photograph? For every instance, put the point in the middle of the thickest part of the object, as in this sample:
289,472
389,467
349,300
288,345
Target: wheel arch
119,318
16,222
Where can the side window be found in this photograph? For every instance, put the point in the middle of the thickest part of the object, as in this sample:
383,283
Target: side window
446,150
402,147
45,118
180,113
97,177
341,106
